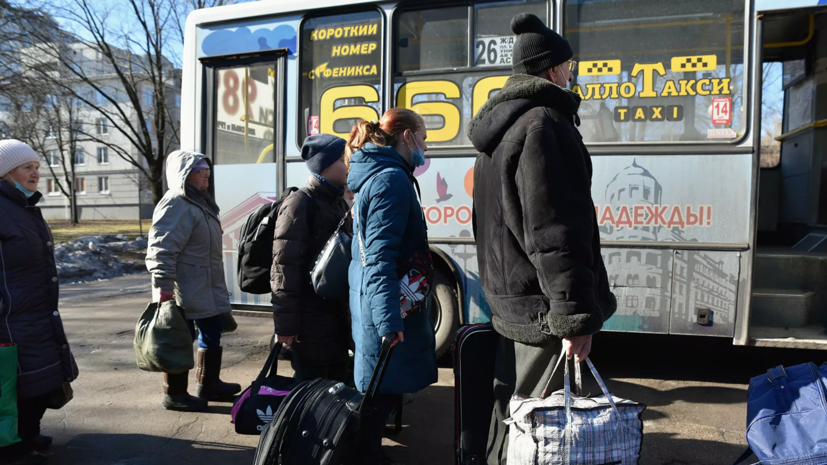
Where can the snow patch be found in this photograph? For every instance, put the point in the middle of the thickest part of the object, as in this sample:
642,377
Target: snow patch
99,257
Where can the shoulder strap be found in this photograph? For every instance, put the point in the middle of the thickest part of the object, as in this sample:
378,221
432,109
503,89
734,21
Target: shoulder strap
747,454
311,208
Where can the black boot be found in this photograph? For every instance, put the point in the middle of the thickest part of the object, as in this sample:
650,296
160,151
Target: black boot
176,396
34,458
207,369
40,442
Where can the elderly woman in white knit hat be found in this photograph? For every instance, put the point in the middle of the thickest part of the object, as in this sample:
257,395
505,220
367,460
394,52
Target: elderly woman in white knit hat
29,317
186,260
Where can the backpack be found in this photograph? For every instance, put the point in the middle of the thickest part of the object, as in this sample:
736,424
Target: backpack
255,245
787,416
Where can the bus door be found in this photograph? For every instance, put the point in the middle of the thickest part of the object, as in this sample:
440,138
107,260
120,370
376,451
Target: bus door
789,300
244,136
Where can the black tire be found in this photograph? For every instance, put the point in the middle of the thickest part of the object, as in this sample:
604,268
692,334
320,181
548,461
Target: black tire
444,309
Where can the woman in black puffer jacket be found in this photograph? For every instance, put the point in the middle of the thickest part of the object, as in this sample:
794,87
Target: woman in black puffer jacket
29,317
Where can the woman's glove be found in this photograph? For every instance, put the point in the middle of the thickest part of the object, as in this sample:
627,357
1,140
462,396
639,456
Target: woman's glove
166,295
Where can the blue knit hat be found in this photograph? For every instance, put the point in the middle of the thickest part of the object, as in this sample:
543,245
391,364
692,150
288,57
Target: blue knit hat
321,151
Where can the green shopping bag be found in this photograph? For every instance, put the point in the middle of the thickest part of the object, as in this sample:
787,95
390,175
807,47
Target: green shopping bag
162,339
8,395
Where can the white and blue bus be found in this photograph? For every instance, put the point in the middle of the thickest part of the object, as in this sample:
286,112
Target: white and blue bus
709,226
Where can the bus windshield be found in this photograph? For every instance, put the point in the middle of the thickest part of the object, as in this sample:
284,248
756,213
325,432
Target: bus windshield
658,70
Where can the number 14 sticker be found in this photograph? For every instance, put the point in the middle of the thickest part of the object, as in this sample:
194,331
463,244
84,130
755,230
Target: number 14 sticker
721,110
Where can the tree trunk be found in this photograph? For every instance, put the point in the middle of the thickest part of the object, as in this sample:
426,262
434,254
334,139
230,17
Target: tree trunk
157,180
73,202
157,190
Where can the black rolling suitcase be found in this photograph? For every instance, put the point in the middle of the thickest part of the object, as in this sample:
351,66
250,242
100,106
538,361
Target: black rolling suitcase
475,349
319,422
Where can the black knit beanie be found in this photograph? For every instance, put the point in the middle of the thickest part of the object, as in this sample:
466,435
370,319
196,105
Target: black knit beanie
537,47
321,151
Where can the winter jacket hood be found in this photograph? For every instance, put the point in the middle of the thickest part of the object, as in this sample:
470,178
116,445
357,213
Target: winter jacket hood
520,94
388,219
370,160
534,220
179,165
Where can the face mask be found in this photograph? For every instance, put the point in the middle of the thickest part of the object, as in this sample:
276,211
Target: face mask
562,77
22,189
417,156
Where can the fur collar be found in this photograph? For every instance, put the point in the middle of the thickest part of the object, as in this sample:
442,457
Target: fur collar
520,94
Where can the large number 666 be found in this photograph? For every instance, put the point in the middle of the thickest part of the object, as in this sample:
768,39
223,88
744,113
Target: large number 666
449,112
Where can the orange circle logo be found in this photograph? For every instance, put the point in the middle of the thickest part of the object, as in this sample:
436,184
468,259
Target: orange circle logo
469,183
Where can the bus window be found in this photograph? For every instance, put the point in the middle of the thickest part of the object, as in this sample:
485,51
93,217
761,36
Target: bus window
244,124
492,29
772,114
341,68
658,70
436,40
432,39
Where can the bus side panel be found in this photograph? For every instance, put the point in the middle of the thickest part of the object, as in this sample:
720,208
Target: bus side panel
681,199
708,281
642,283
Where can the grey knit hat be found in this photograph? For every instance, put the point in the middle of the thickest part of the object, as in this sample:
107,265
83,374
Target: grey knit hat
14,153
537,48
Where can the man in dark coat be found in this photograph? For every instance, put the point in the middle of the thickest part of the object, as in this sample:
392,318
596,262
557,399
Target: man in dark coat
535,223
29,315
320,328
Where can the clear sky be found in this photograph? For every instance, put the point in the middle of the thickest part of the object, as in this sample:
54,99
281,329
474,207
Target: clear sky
121,19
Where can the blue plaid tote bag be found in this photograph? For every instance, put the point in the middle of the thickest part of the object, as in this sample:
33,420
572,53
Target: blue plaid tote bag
566,429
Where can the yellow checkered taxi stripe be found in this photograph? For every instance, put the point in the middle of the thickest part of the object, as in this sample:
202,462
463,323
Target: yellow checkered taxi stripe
694,63
598,67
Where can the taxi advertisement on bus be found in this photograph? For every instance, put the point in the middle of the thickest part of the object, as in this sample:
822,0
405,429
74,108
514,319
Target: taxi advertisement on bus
643,82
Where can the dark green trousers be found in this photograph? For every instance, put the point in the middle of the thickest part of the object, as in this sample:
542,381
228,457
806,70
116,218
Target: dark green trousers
519,369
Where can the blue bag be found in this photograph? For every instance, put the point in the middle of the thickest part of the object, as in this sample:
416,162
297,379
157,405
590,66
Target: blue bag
787,416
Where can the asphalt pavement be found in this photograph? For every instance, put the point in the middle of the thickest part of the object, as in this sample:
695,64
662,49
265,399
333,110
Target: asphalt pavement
694,388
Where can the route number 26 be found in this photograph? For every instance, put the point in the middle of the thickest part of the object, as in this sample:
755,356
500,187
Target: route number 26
491,46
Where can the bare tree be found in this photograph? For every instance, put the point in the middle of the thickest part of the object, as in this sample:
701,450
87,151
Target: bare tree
184,8
16,23
48,123
118,61
772,114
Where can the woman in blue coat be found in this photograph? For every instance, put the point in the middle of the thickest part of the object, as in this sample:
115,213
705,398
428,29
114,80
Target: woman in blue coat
391,268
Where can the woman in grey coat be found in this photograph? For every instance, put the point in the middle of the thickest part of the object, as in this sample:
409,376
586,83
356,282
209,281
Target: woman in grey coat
185,259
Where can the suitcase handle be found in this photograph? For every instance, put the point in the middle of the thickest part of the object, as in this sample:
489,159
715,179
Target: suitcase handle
378,373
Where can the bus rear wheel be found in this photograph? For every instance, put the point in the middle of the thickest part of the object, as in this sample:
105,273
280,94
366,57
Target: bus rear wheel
444,312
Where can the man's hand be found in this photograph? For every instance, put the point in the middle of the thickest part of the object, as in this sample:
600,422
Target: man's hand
579,346
396,338
166,295
286,340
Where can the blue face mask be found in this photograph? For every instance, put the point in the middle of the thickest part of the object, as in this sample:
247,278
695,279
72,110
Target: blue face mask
417,156
22,189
